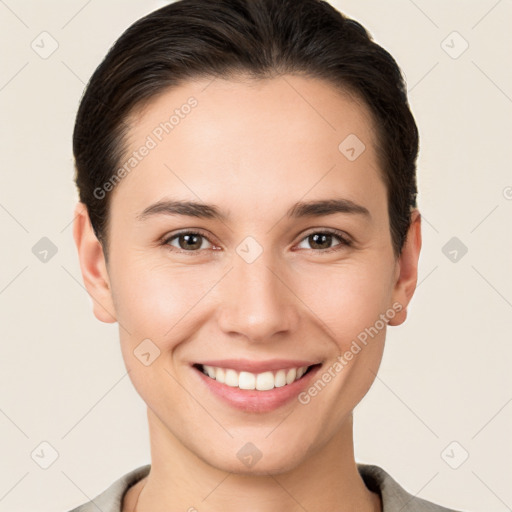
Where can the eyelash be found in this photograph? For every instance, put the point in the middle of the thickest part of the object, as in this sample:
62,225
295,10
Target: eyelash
344,241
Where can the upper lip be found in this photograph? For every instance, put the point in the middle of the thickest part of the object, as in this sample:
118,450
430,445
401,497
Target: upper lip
247,365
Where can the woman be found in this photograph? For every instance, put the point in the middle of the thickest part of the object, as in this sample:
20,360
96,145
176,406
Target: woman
247,214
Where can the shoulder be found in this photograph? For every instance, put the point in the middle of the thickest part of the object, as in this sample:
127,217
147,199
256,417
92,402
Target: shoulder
111,498
394,497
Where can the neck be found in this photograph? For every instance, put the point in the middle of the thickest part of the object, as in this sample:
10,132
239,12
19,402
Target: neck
326,480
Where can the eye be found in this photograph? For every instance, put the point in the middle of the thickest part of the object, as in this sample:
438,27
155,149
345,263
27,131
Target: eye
188,241
320,239
192,241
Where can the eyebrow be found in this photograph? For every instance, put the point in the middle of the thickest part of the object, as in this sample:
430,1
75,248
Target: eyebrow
210,211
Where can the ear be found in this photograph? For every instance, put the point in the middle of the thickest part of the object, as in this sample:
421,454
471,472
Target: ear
93,266
406,275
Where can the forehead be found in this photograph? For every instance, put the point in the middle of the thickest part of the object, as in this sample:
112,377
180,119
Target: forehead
251,142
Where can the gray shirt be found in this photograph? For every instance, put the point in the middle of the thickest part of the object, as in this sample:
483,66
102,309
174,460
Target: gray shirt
394,497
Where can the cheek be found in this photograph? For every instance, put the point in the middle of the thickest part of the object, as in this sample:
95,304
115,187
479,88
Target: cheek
158,308
347,298
159,302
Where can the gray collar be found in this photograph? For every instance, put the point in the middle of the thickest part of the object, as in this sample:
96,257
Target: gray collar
394,497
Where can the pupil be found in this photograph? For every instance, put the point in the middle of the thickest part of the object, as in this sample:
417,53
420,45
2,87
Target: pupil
324,236
190,244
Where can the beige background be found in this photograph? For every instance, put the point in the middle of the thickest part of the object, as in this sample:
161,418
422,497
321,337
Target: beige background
446,373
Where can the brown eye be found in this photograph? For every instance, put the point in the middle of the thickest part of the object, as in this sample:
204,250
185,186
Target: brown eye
188,241
321,241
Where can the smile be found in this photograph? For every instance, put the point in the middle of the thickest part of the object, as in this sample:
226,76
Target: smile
260,381
256,386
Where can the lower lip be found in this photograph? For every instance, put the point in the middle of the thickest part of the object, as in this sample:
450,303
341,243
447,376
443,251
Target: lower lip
251,400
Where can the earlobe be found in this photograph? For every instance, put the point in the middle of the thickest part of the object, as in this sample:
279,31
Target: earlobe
407,279
93,266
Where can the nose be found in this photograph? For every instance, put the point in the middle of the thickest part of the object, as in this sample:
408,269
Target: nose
257,302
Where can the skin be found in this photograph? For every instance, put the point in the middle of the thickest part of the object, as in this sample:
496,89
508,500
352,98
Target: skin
254,148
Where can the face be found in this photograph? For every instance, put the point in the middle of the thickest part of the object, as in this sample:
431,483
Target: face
285,262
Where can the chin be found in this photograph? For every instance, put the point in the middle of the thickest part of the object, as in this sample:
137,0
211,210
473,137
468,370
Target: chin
250,460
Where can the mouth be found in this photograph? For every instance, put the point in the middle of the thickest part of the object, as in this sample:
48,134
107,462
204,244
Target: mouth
263,381
264,389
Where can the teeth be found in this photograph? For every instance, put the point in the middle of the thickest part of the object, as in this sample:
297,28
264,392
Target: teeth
261,381
280,379
246,380
291,375
210,371
231,378
265,381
